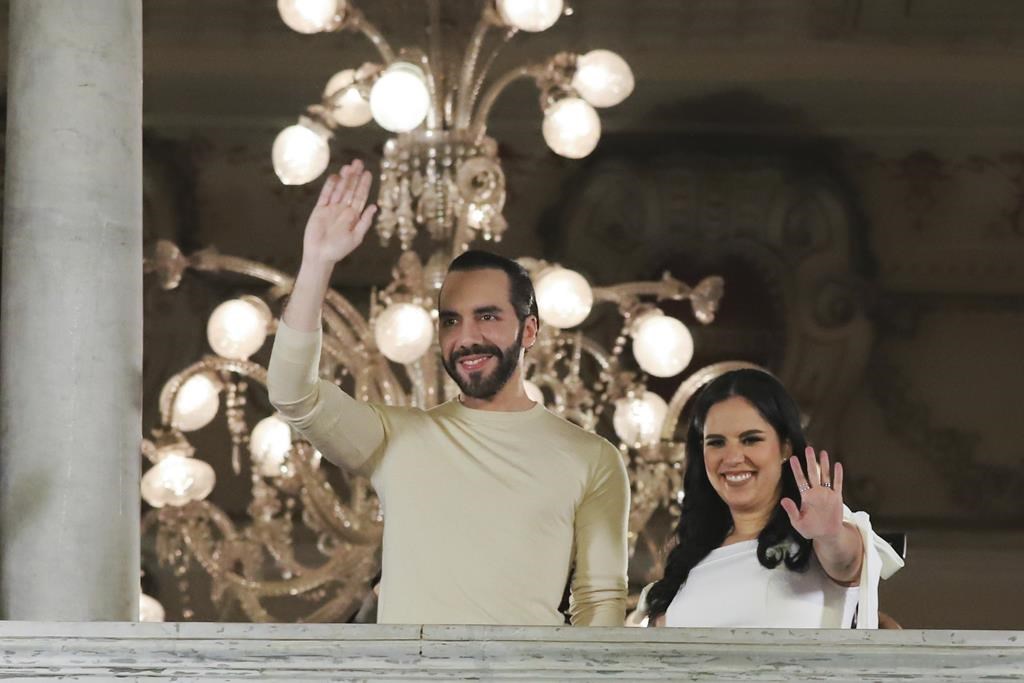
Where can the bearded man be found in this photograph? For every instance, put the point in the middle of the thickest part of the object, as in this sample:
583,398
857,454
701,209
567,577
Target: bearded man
490,501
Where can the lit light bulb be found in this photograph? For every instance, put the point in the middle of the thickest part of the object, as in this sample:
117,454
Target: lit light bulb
150,609
310,16
269,445
662,345
602,78
399,100
349,107
196,402
564,298
533,392
238,328
300,154
530,15
571,128
638,420
404,332
177,480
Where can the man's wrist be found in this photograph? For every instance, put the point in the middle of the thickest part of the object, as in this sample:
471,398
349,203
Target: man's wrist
317,269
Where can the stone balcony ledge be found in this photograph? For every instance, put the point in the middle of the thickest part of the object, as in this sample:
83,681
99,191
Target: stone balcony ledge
298,652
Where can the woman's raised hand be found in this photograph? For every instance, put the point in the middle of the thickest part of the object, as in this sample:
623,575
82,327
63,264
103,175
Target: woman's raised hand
820,514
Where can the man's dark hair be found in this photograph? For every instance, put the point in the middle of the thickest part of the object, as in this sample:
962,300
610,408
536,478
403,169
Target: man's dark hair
520,286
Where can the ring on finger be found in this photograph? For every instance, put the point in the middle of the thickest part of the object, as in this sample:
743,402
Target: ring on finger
803,488
827,484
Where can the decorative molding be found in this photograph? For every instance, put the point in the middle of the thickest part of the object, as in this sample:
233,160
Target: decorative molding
947,224
782,223
978,487
184,651
899,314
928,180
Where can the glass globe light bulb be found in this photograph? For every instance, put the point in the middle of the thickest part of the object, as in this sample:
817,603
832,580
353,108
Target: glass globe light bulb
196,402
269,445
638,421
399,100
150,609
533,392
177,480
602,78
530,15
310,16
662,345
349,107
564,298
300,154
404,332
571,128
238,328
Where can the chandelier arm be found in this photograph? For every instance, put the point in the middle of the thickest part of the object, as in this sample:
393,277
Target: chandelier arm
328,509
436,63
209,260
488,19
534,71
577,353
360,328
355,20
435,113
352,316
387,384
416,382
461,237
342,605
375,382
212,261
250,604
210,363
661,289
340,338
429,362
311,578
385,375
478,85
337,350
284,556
596,351
691,385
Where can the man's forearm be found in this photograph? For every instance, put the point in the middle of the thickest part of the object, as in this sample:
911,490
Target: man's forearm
307,297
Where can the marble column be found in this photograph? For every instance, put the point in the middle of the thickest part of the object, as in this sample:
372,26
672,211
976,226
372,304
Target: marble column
71,312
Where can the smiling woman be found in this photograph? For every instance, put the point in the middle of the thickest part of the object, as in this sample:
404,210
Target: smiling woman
749,555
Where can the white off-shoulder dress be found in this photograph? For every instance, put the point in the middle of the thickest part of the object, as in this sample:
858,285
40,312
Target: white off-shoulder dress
731,589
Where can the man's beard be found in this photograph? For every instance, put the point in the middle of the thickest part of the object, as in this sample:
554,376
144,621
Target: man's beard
479,385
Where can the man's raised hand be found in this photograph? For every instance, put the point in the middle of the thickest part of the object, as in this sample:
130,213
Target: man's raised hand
340,219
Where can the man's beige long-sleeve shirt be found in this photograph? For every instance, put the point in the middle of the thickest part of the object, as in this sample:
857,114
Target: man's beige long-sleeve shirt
485,511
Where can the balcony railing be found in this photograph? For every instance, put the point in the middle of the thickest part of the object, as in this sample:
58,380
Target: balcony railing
295,652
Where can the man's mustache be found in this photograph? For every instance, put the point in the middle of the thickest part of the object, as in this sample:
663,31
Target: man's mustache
475,350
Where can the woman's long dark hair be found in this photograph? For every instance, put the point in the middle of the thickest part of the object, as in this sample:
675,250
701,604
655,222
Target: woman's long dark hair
705,520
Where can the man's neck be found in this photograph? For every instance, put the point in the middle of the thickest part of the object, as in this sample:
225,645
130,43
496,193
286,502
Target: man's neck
511,398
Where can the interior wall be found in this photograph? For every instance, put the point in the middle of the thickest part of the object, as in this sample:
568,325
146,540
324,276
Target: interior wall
911,113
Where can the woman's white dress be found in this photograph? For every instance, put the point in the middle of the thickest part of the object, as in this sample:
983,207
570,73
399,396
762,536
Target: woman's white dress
730,588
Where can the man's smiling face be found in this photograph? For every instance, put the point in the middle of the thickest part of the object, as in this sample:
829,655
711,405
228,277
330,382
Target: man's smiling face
480,334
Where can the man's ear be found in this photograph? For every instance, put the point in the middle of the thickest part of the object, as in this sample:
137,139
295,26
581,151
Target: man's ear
530,328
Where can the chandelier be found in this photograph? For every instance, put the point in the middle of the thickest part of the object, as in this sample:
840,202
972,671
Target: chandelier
309,541
441,173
